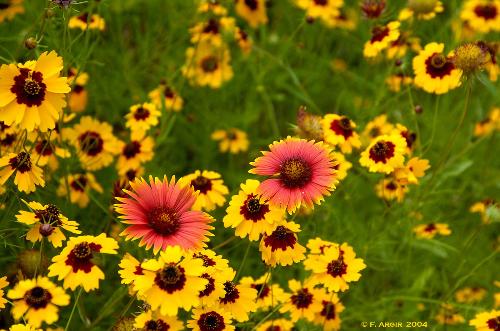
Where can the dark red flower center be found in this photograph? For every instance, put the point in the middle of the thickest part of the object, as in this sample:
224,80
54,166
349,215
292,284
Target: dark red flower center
337,268
80,257
78,89
164,220
379,33
302,298
131,149
207,261
212,26
202,184
21,162
295,173
430,228
494,323
168,93
211,321
391,186
156,325
438,65
231,291
85,18
37,297
171,278
342,127
274,328
49,217
44,147
253,210
29,87
382,151
209,288
410,138
4,5
79,183
262,290
91,143
373,8
209,63
328,310
281,238
252,4
138,270
486,11
141,113
321,2
9,139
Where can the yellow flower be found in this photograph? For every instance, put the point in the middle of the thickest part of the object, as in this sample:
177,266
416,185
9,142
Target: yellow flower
470,294
339,131
244,41
142,117
136,152
489,125
342,165
153,320
382,37
171,281
329,316
95,143
335,268
3,283
212,7
281,246
252,11
280,324
212,31
429,231
384,154
86,21
130,268
304,301
269,294
217,272
423,10
435,72
238,299
232,140
28,174
250,214
486,321
486,209
210,187
399,47
215,318
395,82
325,10
166,96
377,127
482,16
75,262
22,327
32,94
415,168
46,222
10,9
208,65
79,185
390,189
37,300
318,245
448,315
47,152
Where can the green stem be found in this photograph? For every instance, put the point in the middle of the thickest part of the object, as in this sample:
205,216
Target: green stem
73,309
244,260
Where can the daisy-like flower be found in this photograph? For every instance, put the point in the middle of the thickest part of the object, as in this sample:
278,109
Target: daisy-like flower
238,299
210,319
435,72
165,96
153,320
329,316
382,37
269,294
130,268
339,131
28,174
37,300
415,168
489,125
486,208
47,222
391,189
482,15
46,152
75,262
429,231
208,65
79,96
470,294
377,127
233,140
171,282
304,301
95,143
3,283
160,213
318,245
212,7
250,214
280,324
10,9
23,327
252,11
32,94
397,81
422,10
324,10
244,41
142,117
335,268
210,188
302,173
85,21
79,185
342,165
309,126
134,153
486,321
399,47
281,246
448,315
384,154
213,31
